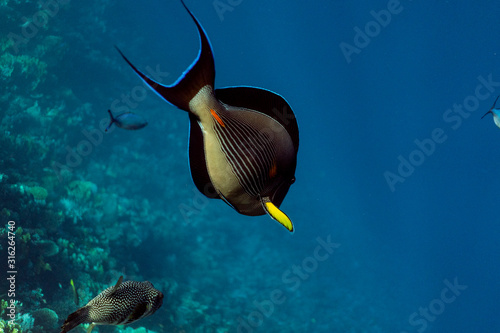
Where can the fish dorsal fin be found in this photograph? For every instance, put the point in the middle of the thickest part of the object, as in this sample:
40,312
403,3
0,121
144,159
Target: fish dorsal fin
197,161
264,101
117,285
199,74
276,214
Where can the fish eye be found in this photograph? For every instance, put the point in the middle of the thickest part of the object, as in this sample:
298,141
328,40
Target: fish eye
292,180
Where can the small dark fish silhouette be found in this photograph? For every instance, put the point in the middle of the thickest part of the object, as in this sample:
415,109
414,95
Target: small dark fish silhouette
120,304
127,120
243,141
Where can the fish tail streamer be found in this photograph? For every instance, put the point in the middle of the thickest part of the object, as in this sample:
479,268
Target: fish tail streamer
198,75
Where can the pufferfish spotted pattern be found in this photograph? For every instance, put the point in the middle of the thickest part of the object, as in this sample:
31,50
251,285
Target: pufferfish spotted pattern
120,304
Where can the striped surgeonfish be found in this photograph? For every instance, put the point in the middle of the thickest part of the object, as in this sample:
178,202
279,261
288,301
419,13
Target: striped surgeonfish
243,140
121,304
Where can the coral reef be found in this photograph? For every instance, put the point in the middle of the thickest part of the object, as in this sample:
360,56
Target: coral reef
46,319
138,330
81,190
26,322
91,206
46,248
10,327
24,68
39,193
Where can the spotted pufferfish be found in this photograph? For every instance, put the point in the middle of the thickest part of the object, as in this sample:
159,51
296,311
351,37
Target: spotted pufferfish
121,304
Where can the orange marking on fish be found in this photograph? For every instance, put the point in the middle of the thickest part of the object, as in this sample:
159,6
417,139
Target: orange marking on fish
216,117
273,171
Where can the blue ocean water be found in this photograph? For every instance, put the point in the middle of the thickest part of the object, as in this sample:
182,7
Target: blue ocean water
394,203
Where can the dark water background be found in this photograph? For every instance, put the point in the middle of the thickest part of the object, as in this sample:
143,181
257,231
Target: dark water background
400,243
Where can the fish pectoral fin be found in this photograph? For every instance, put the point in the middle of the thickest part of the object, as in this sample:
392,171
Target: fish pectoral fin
91,327
138,312
276,214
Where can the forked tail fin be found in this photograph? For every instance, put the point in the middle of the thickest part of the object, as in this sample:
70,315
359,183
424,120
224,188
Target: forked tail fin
199,74
111,121
492,108
486,114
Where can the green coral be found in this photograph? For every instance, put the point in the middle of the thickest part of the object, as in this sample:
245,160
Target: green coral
9,327
24,237
38,192
47,248
3,305
137,330
7,62
41,266
81,190
5,42
46,318
26,66
34,110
